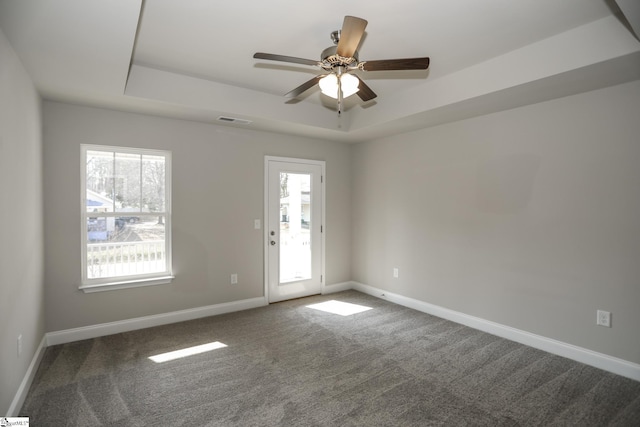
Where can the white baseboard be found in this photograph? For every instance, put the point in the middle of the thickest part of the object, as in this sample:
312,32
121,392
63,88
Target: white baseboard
94,331
21,394
579,354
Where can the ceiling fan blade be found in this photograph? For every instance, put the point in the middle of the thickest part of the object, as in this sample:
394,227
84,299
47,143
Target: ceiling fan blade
350,35
365,93
304,86
283,58
396,64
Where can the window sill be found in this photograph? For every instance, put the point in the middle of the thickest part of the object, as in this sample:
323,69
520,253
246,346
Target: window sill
127,284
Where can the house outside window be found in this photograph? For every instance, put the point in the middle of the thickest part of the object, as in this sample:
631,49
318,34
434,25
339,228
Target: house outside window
126,217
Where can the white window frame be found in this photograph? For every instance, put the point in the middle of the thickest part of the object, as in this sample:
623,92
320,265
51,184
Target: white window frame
136,280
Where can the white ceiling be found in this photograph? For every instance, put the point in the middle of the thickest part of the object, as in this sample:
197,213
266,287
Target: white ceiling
192,59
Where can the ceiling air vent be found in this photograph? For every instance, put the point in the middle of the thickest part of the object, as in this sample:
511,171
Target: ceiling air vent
233,120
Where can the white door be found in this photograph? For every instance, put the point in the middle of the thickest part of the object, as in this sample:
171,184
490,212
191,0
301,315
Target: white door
294,225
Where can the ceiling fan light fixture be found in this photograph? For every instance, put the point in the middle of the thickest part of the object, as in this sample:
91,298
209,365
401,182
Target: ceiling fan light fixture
349,83
342,58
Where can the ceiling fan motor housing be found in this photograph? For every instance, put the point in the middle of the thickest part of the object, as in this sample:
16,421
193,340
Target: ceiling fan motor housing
331,59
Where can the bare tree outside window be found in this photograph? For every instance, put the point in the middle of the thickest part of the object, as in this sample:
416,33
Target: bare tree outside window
284,180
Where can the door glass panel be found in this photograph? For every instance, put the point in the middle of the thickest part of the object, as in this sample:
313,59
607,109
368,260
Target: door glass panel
295,222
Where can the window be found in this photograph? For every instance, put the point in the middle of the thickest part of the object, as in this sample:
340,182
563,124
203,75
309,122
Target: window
126,217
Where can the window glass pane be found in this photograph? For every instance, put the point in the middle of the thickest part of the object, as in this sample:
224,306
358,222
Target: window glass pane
127,182
125,246
99,181
295,222
126,215
153,183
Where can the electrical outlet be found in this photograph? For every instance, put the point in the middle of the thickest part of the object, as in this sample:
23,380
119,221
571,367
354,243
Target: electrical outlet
604,318
396,272
234,279
19,345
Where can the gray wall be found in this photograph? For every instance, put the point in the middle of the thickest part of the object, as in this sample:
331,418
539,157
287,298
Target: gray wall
218,191
528,217
21,236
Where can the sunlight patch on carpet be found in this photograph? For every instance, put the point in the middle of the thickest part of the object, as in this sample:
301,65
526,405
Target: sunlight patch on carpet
339,307
185,352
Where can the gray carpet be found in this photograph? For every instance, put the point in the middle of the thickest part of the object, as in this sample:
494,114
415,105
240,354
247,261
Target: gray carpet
289,365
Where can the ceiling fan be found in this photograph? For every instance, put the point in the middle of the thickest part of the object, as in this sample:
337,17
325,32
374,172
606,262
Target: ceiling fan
340,60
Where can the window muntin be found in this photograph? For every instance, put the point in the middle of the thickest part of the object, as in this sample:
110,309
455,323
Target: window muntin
126,218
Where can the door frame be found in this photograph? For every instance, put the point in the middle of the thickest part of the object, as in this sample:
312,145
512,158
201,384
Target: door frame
265,220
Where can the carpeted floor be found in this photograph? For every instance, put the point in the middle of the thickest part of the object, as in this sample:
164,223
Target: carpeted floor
290,365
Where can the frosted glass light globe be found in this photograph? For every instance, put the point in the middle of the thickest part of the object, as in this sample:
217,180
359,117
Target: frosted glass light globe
329,85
